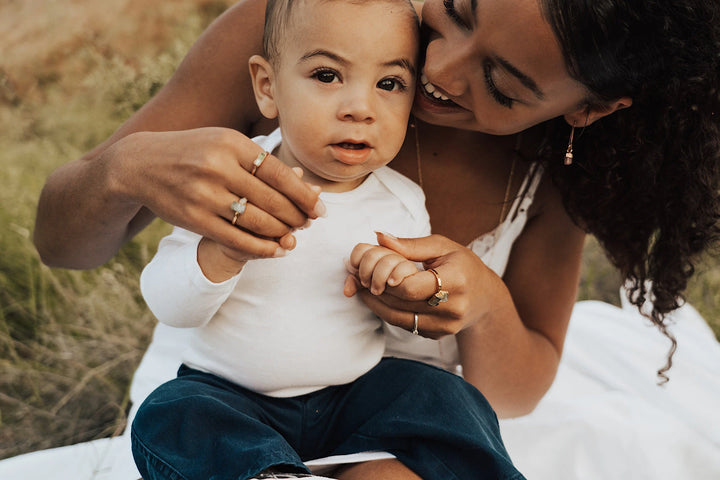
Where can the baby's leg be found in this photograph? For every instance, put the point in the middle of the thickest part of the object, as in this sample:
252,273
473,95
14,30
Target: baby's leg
199,426
434,422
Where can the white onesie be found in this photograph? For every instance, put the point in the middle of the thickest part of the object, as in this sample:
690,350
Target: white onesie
283,327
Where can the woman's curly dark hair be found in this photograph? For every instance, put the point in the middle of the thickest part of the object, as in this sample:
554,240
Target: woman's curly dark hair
646,179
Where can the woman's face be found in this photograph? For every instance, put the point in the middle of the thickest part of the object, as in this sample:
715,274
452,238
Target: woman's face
492,66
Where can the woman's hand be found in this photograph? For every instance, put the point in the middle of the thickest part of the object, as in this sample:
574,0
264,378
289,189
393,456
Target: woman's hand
188,178
462,275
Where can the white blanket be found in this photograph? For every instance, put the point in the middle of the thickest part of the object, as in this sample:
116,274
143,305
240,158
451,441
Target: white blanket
604,418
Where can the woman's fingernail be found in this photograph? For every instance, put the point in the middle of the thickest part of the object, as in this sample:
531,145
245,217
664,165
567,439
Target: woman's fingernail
298,171
320,209
389,235
280,252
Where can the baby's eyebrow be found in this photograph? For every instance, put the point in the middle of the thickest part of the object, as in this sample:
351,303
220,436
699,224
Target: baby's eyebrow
402,63
324,53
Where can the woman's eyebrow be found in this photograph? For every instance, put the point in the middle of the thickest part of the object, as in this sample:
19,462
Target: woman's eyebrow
528,82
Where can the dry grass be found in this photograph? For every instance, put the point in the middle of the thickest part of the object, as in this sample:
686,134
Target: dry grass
70,72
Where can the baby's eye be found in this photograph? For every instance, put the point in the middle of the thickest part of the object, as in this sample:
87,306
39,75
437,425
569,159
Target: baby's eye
325,76
390,84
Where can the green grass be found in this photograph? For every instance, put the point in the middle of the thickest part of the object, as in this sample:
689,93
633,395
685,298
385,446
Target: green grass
70,340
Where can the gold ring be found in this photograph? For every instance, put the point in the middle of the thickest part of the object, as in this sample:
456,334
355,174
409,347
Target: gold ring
440,296
258,161
415,325
238,206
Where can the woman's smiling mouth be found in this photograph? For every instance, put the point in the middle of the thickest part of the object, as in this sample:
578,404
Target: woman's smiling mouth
432,90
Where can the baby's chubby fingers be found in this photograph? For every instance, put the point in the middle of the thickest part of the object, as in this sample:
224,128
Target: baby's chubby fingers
390,270
365,259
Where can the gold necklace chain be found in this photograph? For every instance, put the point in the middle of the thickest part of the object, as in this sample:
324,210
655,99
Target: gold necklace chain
506,200
414,125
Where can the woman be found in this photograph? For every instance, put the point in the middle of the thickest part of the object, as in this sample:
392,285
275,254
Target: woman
626,93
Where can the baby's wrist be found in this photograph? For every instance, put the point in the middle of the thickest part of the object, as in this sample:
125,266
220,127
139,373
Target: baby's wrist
215,265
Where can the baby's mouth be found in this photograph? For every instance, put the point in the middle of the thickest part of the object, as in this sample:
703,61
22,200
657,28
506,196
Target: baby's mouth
352,146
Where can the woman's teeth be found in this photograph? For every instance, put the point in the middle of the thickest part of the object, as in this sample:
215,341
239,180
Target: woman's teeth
430,89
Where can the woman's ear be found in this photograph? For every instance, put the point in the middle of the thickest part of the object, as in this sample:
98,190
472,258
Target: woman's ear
263,79
588,114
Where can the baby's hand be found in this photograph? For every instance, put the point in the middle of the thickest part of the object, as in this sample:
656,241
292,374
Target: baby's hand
376,268
217,262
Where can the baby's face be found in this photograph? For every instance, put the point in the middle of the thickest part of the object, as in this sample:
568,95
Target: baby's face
344,86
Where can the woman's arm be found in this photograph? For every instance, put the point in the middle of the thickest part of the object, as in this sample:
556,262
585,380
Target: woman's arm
512,355
161,162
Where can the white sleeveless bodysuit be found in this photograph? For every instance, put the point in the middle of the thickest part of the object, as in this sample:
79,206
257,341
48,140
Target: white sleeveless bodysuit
494,249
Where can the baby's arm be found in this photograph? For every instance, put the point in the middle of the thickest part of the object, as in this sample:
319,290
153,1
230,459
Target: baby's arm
217,262
376,268
175,286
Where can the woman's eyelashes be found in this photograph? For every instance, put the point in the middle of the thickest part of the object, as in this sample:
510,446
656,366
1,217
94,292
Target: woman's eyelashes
499,97
454,15
492,88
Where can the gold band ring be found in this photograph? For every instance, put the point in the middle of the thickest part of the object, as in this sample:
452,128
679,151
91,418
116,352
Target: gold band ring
238,206
440,295
415,325
258,161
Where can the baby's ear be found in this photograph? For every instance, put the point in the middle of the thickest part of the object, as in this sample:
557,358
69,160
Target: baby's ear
263,80
587,115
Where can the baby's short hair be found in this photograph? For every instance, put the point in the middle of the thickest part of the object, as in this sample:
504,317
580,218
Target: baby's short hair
278,19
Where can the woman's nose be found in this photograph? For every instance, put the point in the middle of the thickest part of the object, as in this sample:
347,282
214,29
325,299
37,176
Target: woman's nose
446,68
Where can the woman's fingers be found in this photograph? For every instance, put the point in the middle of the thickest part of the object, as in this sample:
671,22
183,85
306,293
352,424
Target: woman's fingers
423,249
250,217
280,191
431,323
246,245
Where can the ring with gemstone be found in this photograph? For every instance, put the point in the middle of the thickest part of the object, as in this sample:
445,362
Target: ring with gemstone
258,161
238,206
440,295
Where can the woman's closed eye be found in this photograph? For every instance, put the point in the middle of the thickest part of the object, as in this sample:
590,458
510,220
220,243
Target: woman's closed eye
499,97
454,15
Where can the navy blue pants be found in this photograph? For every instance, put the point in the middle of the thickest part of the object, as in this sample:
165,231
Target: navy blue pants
199,426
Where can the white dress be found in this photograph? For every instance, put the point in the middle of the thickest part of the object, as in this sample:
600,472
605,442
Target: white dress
604,417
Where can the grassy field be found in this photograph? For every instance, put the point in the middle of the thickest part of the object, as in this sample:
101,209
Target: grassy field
69,341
